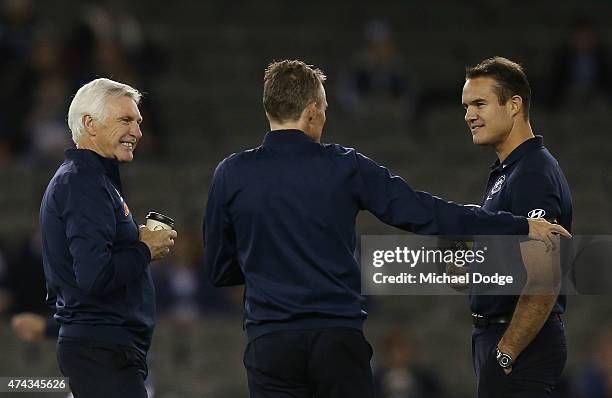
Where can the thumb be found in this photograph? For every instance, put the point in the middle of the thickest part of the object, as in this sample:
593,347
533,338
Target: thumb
142,230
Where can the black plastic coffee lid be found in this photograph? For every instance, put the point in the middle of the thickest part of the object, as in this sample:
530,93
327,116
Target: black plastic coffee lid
160,217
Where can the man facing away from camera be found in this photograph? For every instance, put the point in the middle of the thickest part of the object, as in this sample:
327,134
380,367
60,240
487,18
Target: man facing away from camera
95,257
518,342
280,219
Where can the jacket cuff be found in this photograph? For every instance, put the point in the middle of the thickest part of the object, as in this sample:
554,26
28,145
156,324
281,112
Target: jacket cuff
522,225
144,252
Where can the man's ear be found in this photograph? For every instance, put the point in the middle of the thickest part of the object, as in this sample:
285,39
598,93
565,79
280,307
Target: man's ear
88,123
516,104
311,110
308,112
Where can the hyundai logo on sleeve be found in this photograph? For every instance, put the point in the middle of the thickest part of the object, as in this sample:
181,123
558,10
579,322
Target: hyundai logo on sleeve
536,213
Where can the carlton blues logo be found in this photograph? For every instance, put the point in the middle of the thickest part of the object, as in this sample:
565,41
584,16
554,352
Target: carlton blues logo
498,185
126,209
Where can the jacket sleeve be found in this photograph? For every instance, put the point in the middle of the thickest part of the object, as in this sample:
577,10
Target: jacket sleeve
99,266
538,193
394,202
51,297
219,238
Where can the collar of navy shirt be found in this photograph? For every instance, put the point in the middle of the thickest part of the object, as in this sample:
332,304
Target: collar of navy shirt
519,152
108,166
286,137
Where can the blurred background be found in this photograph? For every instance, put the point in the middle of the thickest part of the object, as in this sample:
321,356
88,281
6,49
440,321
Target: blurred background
395,73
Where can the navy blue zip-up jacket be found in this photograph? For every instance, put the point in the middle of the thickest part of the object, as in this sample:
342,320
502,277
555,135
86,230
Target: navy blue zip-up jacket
96,268
281,219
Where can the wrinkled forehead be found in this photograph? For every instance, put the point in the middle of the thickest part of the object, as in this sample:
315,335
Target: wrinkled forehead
123,106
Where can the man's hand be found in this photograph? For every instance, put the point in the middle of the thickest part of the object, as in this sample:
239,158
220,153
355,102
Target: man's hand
542,230
29,327
159,242
455,270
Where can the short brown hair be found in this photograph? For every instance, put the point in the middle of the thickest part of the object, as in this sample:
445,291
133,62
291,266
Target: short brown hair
510,77
289,86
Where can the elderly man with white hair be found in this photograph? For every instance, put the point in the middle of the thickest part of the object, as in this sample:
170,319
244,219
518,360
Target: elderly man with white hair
95,256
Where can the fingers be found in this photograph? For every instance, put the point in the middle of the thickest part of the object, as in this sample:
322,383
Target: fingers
552,236
142,230
172,234
553,240
546,237
168,242
547,233
561,231
159,242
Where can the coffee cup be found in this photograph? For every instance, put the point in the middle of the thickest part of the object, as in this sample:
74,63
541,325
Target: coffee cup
157,221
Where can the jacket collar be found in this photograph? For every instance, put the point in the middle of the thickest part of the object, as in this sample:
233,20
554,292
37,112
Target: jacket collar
520,151
286,137
108,166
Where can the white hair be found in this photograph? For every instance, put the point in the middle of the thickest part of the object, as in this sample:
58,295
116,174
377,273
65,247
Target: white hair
91,100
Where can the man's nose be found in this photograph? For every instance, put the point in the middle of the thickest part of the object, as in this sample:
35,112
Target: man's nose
470,116
136,131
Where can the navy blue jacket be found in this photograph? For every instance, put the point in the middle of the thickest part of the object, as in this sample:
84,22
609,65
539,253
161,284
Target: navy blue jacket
95,266
281,219
528,182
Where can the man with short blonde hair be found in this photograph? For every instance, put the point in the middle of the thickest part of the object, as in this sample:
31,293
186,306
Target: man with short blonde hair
280,219
289,86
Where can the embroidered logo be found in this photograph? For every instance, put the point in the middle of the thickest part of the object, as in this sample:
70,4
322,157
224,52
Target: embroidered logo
536,213
498,185
126,209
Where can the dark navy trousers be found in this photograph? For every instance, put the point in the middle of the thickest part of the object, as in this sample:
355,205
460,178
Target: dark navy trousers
321,363
536,371
101,370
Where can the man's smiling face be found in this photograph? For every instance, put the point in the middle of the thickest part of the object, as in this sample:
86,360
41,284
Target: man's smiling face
119,133
489,122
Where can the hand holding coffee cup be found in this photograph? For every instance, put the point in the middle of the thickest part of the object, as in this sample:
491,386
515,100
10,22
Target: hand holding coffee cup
158,234
157,221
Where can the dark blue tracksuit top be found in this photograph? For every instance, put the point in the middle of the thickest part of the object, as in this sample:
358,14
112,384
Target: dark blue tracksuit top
95,266
280,218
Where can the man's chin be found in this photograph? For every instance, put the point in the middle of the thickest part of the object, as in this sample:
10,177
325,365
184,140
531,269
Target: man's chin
478,140
125,157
